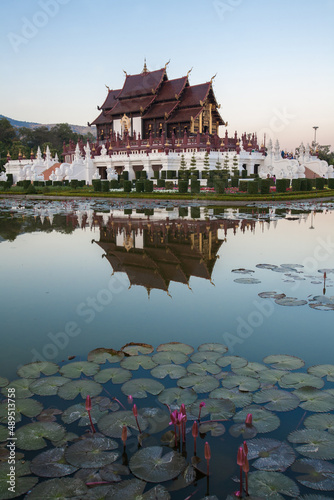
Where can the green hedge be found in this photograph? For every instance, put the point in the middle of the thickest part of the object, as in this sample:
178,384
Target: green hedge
163,174
243,173
10,179
96,184
127,211
303,184
320,183
149,211
139,186
74,183
58,183
183,211
331,183
195,212
143,174
183,186
235,182
161,183
265,186
48,183
148,186
105,186
137,174
156,174
219,186
113,184
310,184
195,186
125,175
243,186
171,174
66,182
295,184
252,187
127,185
169,185
282,185
4,185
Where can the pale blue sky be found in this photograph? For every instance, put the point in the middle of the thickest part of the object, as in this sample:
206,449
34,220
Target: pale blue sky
273,58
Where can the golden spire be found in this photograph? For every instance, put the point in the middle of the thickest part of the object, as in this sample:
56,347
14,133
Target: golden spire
107,88
189,72
167,64
214,76
145,70
125,72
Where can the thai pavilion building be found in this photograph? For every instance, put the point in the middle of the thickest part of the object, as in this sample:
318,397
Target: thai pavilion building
149,104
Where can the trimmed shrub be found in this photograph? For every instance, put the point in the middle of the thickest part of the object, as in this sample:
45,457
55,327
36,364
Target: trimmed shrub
303,184
295,184
281,185
235,182
195,186
48,183
127,211
156,174
148,186
143,174
161,183
331,183
195,212
149,211
265,186
169,185
137,174
26,184
252,187
96,184
219,186
125,175
82,183
127,185
58,183
139,186
3,185
183,211
310,184
244,174
113,184
74,183
320,183
10,179
183,186
105,186
243,186
31,189
170,174
65,183
163,174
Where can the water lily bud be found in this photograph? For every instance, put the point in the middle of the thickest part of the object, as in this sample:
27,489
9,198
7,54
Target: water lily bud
207,451
135,411
130,400
249,419
241,457
124,434
194,429
245,448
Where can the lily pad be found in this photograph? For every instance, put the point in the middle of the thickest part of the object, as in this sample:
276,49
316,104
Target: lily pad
28,407
79,412
55,489
238,399
234,361
203,368
209,356
139,387
242,430
284,361
4,382
133,349
215,347
297,380
139,361
176,346
322,371
271,376
219,409
277,400
101,355
263,420
92,452
117,375
113,423
173,371
157,418
322,422
266,266
21,386
245,384
271,454
51,463
149,464
316,444
83,387
315,400
177,395
199,383
247,281
166,357
32,436
34,370
272,485
319,474
252,369
77,368
290,301
215,428
23,481
47,386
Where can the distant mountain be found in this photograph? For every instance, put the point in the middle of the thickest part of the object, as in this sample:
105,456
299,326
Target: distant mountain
79,129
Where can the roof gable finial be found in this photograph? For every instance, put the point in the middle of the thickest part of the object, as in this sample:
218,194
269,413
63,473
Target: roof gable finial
167,64
145,70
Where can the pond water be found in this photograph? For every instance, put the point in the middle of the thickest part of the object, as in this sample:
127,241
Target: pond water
255,281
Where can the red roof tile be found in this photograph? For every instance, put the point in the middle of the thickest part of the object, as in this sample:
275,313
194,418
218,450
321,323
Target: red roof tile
158,109
110,99
170,88
142,84
194,94
102,119
133,105
185,114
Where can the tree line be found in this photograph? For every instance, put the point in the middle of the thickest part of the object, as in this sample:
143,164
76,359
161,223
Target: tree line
25,140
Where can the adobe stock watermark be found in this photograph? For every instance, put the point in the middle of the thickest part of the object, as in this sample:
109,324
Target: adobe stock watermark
280,119
225,7
87,310
31,27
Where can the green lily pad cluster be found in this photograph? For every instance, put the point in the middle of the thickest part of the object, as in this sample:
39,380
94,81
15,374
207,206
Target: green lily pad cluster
135,454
